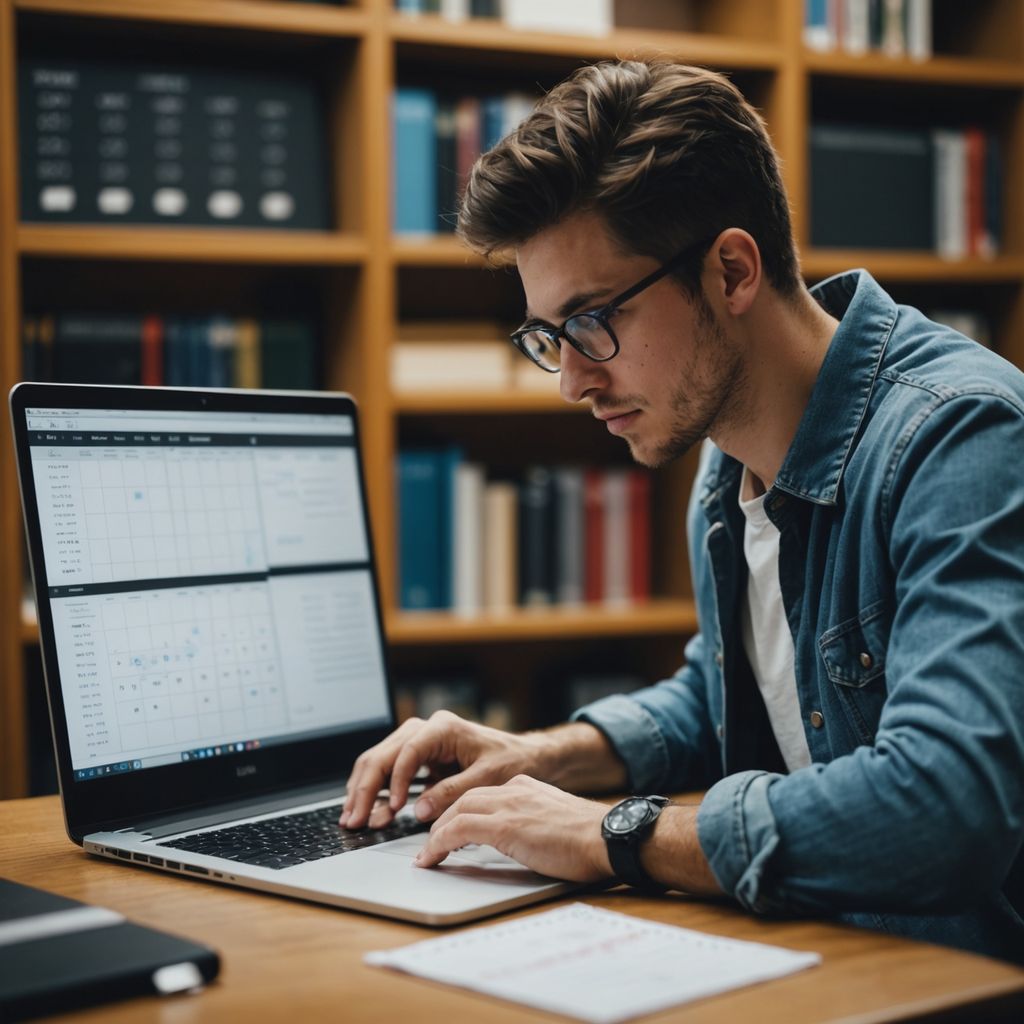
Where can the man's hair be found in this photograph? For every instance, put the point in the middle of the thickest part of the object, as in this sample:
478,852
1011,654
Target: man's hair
667,155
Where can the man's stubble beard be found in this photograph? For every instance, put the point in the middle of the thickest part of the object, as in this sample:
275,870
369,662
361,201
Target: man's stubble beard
715,402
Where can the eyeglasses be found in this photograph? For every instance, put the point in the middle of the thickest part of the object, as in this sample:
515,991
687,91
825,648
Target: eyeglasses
589,333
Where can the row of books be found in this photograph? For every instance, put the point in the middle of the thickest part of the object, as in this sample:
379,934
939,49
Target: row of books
578,17
560,535
213,351
896,28
125,142
437,139
938,189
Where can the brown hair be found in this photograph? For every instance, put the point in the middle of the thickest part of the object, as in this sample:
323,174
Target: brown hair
667,154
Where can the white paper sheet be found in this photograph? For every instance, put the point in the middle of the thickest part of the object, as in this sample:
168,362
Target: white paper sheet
593,964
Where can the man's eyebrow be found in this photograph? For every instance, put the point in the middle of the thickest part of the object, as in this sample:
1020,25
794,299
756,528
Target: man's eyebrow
575,304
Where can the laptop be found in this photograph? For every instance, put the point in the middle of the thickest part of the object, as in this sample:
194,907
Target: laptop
212,645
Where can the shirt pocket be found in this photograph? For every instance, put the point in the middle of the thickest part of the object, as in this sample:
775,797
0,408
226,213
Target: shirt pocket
854,656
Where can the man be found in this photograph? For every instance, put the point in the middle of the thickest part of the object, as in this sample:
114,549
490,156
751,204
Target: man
854,701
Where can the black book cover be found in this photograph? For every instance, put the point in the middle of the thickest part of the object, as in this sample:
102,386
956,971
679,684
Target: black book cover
447,163
134,144
58,954
93,349
536,537
872,187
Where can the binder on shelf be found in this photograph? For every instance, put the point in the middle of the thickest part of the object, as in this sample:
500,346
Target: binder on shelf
872,187
60,955
141,144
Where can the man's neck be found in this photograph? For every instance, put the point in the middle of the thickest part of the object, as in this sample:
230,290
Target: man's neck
785,342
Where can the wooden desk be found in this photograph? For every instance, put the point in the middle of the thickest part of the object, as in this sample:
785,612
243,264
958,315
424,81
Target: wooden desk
283,960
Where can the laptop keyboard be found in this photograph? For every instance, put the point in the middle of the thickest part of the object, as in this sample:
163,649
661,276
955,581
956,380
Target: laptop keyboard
291,839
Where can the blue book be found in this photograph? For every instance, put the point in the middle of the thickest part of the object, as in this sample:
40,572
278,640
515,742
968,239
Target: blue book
421,534
414,182
493,116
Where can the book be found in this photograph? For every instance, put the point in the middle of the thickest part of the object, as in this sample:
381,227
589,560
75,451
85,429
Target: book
950,193
91,349
639,535
536,538
594,535
872,187
450,366
287,353
569,535
447,163
61,955
500,532
117,142
819,30
578,17
468,539
421,529
617,539
414,114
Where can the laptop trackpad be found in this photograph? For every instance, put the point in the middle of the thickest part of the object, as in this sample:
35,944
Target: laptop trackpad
483,863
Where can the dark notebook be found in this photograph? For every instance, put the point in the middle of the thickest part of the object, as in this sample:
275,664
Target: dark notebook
58,954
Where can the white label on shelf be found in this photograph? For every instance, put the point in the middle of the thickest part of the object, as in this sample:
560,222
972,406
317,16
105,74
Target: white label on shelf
277,206
114,201
169,202
224,205
57,199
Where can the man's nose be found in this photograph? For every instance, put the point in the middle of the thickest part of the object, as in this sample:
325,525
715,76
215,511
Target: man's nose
580,376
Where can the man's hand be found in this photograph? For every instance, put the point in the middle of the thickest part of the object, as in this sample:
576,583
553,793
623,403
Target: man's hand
459,755
542,827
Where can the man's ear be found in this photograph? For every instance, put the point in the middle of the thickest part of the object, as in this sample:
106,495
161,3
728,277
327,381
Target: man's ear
737,267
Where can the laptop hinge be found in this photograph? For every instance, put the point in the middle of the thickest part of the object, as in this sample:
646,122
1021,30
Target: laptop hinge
183,821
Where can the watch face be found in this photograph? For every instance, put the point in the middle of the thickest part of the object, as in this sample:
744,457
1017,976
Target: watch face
625,817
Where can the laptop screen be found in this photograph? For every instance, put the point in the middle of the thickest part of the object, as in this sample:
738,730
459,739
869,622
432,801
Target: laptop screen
209,580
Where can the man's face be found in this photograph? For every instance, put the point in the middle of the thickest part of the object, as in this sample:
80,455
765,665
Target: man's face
677,375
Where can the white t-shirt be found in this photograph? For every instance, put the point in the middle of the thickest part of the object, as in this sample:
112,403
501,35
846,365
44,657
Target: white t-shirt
766,636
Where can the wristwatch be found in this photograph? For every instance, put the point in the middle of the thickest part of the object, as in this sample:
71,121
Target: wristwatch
624,828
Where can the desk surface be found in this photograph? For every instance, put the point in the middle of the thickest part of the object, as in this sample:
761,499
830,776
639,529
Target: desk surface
287,960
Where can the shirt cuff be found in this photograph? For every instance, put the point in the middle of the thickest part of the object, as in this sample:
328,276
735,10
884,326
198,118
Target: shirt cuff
633,732
737,832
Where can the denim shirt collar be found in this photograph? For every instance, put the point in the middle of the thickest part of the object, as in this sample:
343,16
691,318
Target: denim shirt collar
814,464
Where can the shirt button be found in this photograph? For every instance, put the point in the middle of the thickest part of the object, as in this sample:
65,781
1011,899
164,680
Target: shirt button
720,732
817,719
866,660
719,659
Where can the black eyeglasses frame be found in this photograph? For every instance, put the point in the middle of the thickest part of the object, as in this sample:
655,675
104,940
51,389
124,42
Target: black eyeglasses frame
601,314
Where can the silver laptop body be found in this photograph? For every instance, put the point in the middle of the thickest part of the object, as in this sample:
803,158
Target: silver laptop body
212,644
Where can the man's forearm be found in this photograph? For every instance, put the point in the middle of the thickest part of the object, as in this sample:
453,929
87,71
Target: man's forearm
578,758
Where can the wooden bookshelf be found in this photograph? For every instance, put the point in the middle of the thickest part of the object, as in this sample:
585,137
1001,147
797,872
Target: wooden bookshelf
359,52
239,245
573,622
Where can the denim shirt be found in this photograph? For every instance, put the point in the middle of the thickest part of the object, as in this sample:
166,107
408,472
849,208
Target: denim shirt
900,506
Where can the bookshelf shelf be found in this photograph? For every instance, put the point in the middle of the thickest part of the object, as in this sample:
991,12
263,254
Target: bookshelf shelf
257,15
483,402
191,244
481,36
434,251
650,619
959,71
916,267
